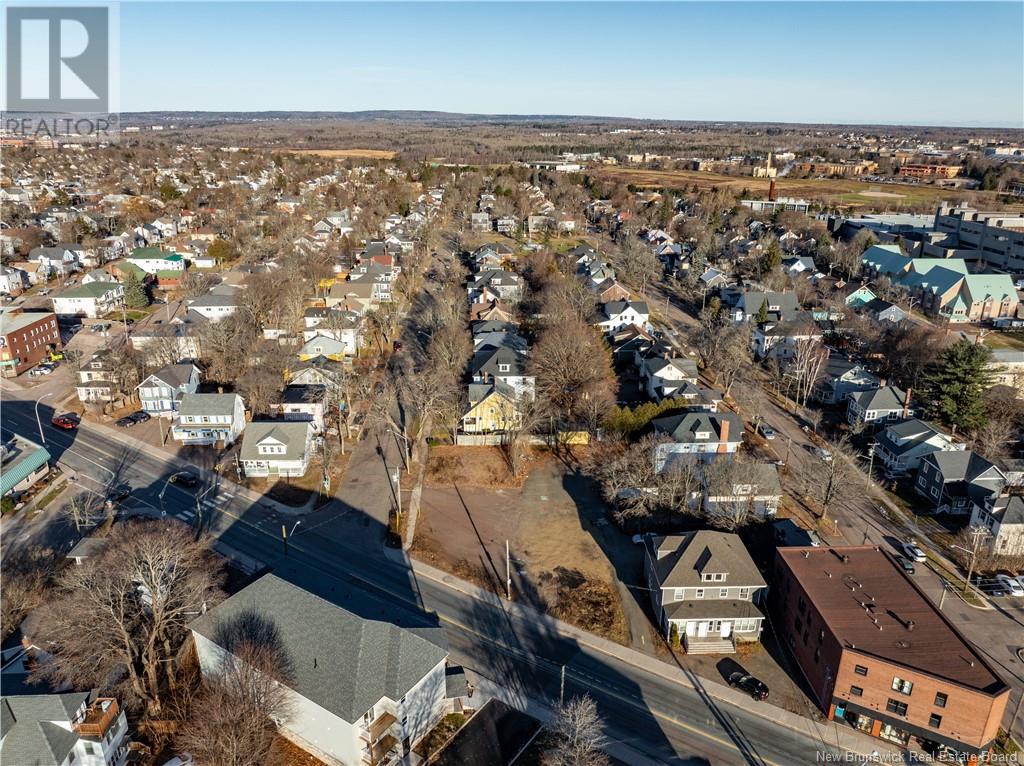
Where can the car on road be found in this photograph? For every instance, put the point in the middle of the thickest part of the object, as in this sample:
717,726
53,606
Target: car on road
914,553
43,369
67,422
117,493
749,684
185,479
45,291
905,564
768,432
1010,585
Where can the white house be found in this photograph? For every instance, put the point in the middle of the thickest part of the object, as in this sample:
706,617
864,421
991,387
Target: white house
1003,516
205,419
153,260
359,691
305,403
618,314
276,448
697,433
705,589
63,729
664,377
13,280
221,301
92,300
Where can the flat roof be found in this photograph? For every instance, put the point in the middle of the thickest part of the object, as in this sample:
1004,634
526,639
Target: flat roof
853,587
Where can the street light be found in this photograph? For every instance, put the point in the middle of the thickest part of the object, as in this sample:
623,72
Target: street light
405,439
39,423
199,508
285,535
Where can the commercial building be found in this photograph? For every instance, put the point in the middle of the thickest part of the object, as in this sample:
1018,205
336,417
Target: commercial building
23,464
26,339
877,654
929,171
994,239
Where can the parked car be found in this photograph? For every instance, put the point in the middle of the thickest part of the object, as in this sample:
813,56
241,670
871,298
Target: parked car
768,432
67,422
43,369
45,291
1010,585
141,416
126,422
914,553
823,454
747,683
184,478
905,564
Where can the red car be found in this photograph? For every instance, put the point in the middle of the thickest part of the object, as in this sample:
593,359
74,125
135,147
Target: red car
66,422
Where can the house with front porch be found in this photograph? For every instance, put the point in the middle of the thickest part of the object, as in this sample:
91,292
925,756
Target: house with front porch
702,433
277,448
900,447
842,377
953,482
1003,516
209,419
160,393
96,378
706,591
874,407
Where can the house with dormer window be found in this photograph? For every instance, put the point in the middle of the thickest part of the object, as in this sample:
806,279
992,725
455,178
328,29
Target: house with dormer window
209,419
705,590
277,448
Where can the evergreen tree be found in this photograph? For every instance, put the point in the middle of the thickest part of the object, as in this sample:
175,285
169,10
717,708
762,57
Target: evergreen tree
955,385
135,296
762,313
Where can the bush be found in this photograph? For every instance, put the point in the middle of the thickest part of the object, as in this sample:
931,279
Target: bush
673,636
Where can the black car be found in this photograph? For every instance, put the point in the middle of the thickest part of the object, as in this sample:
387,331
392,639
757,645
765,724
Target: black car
118,493
140,416
126,422
185,479
905,564
752,686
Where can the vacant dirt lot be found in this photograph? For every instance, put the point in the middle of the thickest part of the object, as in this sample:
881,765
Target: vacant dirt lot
474,467
369,154
555,560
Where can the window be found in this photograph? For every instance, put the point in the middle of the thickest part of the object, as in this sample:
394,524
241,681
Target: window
677,594
897,707
90,749
700,593
901,686
860,670
935,721
723,593
856,691
744,594
940,699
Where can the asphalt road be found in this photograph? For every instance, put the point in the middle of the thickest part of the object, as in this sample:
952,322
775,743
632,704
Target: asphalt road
340,550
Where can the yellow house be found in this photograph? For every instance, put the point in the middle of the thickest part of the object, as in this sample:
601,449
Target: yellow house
492,408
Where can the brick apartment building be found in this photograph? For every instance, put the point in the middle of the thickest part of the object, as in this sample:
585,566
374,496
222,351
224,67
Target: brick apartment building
26,339
878,654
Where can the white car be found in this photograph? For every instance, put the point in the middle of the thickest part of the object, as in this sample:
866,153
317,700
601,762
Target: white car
1010,584
912,552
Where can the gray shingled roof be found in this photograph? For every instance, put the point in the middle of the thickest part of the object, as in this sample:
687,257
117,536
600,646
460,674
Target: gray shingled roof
341,661
684,557
207,404
29,737
291,434
884,398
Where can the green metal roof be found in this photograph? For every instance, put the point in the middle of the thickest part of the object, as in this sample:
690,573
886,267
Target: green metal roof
23,459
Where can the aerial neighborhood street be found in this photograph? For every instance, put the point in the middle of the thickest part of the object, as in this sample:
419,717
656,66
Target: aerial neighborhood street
386,437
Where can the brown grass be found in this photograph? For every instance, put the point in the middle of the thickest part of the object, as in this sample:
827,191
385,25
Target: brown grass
369,154
836,190
472,467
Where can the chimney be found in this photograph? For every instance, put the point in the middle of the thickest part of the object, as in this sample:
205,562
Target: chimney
724,436
906,404
771,191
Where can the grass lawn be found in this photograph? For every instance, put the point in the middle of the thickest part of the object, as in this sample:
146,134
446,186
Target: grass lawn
1005,340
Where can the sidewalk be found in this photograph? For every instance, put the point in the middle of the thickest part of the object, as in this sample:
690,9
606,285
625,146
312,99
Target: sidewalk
828,732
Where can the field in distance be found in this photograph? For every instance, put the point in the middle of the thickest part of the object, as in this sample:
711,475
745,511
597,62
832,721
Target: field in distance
368,154
839,191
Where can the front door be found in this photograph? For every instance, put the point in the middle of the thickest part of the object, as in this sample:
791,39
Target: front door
726,628
702,629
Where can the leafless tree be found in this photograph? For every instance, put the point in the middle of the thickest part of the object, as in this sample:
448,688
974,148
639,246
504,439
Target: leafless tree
27,578
805,367
233,717
577,735
837,478
83,510
123,614
725,479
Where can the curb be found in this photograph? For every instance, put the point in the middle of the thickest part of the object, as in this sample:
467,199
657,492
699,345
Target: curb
852,740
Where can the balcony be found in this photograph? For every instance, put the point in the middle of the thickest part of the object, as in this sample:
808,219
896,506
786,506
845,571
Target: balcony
382,753
378,727
98,718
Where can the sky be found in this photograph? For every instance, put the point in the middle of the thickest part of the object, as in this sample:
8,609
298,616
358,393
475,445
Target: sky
921,63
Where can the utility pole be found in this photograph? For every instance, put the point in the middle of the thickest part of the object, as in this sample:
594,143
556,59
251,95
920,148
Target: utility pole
508,573
284,539
789,449
871,462
942,598
976,535
561,689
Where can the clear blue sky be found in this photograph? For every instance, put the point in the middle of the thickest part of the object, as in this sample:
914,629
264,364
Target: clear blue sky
914,63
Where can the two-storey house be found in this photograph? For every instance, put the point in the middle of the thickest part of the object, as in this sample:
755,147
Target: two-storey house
276,448
208,419
954,482
702,433
160,393
705,590
96,378
71,729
